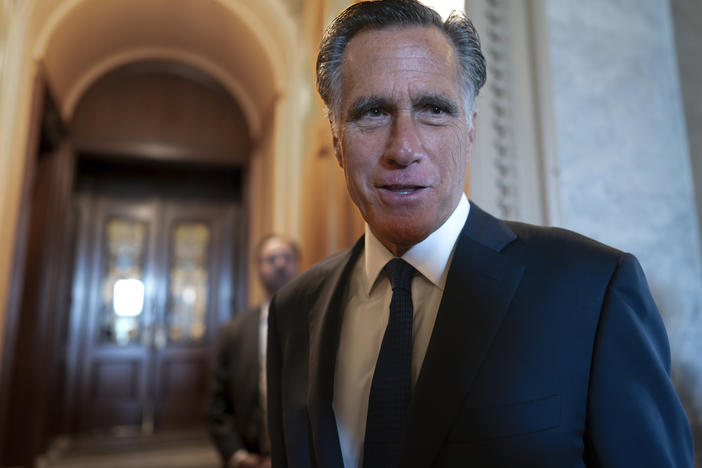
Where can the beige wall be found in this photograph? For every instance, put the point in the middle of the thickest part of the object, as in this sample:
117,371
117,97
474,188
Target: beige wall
15,99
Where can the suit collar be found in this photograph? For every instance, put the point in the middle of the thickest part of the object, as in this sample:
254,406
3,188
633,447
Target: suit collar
479,289
324,328
487,230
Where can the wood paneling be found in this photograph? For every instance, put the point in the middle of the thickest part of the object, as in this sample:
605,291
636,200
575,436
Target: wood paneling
115,380
32,361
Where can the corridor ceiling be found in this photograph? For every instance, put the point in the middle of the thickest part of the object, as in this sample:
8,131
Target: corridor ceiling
241,44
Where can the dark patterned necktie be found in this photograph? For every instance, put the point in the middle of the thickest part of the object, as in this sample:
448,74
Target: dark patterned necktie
392,379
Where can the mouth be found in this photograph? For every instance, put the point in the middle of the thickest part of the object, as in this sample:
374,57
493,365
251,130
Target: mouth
403,189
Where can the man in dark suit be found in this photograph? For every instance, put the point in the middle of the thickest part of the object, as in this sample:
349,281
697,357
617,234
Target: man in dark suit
236,410
447,337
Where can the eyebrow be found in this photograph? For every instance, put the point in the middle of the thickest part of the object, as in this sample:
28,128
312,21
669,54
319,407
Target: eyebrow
363,104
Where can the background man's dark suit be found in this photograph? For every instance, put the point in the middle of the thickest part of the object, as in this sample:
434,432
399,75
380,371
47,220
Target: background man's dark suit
234,415
547,351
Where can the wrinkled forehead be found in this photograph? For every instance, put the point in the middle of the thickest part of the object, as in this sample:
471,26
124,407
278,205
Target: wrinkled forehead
409,51
384,40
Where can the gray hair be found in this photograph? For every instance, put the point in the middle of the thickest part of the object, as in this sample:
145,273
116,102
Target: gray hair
392,13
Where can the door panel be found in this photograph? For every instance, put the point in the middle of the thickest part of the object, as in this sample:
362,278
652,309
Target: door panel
115,394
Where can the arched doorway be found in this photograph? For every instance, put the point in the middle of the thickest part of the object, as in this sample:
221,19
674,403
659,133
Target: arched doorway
157,153
162,150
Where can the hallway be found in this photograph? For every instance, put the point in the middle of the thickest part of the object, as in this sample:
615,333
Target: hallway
166,450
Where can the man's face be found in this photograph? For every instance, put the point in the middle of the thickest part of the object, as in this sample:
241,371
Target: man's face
277,264
403,139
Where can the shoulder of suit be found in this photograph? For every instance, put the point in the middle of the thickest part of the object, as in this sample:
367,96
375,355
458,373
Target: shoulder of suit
311,285
232,328
554,242
316,277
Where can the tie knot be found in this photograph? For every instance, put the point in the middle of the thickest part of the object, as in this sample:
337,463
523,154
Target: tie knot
400,273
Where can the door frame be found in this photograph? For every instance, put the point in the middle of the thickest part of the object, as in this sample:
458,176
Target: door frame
32,333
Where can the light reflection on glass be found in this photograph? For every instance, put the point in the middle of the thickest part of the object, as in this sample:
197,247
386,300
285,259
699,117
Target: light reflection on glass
122,292
128,297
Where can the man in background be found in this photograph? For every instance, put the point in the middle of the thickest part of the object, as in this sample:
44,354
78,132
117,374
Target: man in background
446,337
236,415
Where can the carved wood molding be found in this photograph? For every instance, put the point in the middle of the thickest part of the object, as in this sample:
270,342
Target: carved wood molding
508,175
500,73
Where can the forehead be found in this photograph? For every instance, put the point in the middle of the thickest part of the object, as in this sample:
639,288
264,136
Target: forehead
274,246
398,57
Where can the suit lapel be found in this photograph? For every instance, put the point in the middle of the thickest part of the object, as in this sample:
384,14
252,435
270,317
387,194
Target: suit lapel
248,349
479,289
252,351
324,327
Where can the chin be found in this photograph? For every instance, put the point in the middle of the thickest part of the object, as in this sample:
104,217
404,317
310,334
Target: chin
403,234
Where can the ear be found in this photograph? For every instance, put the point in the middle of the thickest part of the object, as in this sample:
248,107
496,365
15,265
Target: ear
471,137
337,149
471,133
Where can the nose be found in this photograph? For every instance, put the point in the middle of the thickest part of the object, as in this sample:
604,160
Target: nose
280,261
404,146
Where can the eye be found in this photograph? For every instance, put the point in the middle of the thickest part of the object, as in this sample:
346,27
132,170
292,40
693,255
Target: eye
436,108
374,112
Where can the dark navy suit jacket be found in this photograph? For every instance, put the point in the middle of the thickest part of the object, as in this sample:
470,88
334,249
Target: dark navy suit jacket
547,351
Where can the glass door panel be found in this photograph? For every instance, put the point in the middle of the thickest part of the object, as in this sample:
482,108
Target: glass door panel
186,316
122,285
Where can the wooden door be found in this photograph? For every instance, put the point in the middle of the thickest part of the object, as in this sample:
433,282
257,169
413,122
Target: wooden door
161,264
186,323
116,350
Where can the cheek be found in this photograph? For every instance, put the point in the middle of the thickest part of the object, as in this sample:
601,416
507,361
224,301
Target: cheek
452,159
354,182
359,161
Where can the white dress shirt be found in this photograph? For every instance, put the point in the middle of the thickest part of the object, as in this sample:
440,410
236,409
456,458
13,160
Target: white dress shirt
262,381
365,318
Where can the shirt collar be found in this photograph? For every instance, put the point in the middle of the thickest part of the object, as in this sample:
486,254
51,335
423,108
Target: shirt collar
429,257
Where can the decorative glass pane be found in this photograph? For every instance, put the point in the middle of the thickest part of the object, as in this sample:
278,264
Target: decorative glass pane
187,305
123,281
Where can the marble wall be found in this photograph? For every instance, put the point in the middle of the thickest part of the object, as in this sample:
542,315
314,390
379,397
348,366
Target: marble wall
625,171
687,19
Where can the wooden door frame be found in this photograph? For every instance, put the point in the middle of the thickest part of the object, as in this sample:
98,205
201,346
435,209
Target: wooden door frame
20,250
32,336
